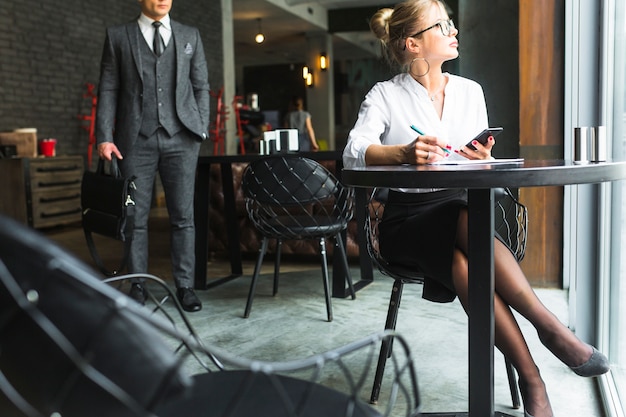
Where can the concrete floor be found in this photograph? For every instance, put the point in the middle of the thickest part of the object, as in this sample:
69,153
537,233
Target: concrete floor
293,325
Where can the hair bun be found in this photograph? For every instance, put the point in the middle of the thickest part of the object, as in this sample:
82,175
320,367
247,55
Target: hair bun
379,24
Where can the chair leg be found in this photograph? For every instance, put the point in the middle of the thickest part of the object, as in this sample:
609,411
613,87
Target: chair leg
255,276
279,249
385,349
510,373
329,307
344,258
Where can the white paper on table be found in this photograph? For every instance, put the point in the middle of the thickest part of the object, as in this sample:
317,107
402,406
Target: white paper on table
459,160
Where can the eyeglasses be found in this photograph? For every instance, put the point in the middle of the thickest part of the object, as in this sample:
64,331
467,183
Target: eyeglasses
446,27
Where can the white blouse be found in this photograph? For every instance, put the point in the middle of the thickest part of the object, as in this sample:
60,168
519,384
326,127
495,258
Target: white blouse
392,106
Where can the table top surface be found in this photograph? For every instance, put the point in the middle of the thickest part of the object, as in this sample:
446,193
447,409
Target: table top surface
528,173
319,155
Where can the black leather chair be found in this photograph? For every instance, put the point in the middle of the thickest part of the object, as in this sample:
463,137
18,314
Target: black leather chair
72,345
290,197
511,223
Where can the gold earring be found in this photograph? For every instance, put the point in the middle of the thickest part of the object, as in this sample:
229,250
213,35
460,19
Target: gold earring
411,67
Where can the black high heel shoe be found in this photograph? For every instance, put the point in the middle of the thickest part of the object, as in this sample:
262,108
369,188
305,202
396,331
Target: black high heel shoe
597,365
522,388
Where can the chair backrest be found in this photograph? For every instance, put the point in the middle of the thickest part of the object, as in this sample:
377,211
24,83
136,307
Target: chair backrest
510,219
373,217
71,344
295,197
511,222
74,346
288,181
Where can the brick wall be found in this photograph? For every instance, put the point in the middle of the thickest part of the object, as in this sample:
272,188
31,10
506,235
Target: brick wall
49,50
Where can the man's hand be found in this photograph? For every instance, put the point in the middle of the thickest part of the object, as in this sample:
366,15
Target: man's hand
106,149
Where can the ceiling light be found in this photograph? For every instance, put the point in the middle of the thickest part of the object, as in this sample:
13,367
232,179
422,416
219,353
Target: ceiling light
323,61
259,38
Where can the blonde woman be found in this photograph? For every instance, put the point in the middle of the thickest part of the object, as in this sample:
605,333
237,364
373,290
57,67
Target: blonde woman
427,228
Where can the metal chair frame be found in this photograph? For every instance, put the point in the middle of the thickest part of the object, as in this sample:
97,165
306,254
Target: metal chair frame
291,197
512,228
89,346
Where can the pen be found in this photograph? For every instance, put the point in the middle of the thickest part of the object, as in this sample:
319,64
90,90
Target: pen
423,134
417,130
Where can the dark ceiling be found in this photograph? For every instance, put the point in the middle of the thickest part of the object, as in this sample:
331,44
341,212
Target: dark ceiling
286,33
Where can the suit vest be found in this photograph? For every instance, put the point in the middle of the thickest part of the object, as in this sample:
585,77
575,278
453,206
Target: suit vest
159,91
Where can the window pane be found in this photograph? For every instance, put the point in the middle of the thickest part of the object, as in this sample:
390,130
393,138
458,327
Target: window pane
617,332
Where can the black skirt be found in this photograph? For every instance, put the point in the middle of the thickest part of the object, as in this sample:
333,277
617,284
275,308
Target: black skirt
419,230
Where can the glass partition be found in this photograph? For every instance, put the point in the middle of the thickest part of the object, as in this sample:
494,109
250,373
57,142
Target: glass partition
613,331
595,95
617,311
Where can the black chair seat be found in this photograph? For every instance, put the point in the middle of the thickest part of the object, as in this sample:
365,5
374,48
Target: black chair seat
407,275
301,227
254,394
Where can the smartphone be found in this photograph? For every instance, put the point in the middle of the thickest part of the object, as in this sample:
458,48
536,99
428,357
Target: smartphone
483,136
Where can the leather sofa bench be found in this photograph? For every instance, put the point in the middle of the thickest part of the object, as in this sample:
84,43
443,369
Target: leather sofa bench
250,239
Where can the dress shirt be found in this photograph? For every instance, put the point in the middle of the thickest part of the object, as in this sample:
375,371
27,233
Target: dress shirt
392,106
147,30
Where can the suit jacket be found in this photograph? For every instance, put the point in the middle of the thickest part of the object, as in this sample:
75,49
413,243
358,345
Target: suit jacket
119,110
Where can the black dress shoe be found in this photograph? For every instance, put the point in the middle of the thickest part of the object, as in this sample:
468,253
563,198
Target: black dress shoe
188,299
138,293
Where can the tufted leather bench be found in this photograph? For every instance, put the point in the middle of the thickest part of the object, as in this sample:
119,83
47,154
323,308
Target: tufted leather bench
250,239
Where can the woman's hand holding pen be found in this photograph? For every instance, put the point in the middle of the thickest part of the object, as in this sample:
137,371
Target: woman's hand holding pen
432,149
426,150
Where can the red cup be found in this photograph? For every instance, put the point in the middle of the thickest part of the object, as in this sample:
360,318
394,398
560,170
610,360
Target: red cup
46,147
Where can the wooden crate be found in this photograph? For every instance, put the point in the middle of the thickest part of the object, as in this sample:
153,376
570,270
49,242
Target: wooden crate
41,192
26,142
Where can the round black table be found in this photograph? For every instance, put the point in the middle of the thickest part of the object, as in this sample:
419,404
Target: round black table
480,180
201,210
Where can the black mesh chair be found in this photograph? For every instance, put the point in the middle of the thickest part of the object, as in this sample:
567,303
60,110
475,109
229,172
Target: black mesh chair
289,197
511,223
74,346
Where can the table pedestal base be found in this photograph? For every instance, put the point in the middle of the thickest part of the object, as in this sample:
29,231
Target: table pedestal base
464,414
220,281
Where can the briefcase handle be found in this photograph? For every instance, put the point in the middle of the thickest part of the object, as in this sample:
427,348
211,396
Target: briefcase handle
114,168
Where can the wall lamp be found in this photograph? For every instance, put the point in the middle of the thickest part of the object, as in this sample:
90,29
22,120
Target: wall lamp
309,79
305,72
323,61
259,38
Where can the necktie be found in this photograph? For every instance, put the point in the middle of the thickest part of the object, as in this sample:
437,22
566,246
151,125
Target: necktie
157,45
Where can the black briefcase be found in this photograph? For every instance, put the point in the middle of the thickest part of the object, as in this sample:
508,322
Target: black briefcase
107,201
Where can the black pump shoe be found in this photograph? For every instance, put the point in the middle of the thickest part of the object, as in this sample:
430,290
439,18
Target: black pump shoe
522,388
597,364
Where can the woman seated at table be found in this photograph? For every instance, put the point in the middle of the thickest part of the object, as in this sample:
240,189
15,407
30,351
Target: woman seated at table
427,228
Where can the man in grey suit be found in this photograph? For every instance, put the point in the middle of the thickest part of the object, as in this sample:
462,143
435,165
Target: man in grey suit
153,113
